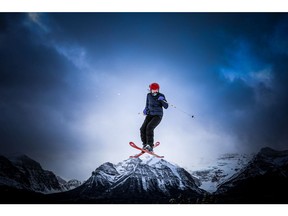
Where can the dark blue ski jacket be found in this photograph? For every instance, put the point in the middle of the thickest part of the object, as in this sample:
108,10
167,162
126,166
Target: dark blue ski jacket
154,106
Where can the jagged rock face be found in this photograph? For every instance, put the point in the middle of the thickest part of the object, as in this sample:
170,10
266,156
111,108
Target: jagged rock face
216,172
138,180
73,183
68,185
24,173
11,175
62,182
263,180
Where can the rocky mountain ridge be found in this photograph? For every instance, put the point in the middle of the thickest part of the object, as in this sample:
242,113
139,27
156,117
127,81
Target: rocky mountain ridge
210,175
141,180
22,172
261,179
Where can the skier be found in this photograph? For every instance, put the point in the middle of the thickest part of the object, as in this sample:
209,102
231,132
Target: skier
154,113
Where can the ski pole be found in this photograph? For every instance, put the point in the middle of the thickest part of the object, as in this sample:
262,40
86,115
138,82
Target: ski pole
175,108
179,109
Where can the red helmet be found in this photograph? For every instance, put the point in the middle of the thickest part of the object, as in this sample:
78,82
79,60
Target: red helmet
154,86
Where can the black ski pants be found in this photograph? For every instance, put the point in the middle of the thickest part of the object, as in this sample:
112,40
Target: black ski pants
147,129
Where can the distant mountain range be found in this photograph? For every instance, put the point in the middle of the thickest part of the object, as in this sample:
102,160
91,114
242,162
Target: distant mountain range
211,175
22,176
251,179
263,180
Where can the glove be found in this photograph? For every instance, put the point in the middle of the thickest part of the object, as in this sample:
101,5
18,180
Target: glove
161,98
145,111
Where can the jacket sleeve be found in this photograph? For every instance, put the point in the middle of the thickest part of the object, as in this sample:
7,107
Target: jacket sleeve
165,103
146,106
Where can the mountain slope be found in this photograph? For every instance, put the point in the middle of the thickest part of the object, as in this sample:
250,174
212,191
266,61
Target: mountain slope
142,180
40,180
212,174
24,173
68,185
263,180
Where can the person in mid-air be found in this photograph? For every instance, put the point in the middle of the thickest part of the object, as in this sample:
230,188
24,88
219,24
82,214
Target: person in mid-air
155,102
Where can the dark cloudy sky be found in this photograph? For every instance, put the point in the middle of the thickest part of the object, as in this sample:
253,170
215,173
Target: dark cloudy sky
72,85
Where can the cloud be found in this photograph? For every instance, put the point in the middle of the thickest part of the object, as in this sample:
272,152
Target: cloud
243,64
36,18
36,94
73,53
252,94
278,41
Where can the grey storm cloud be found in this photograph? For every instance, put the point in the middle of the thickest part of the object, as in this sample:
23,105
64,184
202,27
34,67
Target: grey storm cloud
35,89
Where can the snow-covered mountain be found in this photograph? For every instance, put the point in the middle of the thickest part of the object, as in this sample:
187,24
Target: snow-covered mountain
239,179
22,172
142,180
210,175
68,185
263,180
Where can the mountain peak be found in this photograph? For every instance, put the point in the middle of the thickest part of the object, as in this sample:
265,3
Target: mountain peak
263,180
24,160
141,180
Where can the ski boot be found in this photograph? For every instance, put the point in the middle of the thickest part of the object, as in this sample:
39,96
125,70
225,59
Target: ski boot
148,147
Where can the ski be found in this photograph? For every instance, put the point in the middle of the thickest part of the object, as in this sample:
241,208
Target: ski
144,150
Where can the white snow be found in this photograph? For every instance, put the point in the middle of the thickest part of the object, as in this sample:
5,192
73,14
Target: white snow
216,172
157,163
149,160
